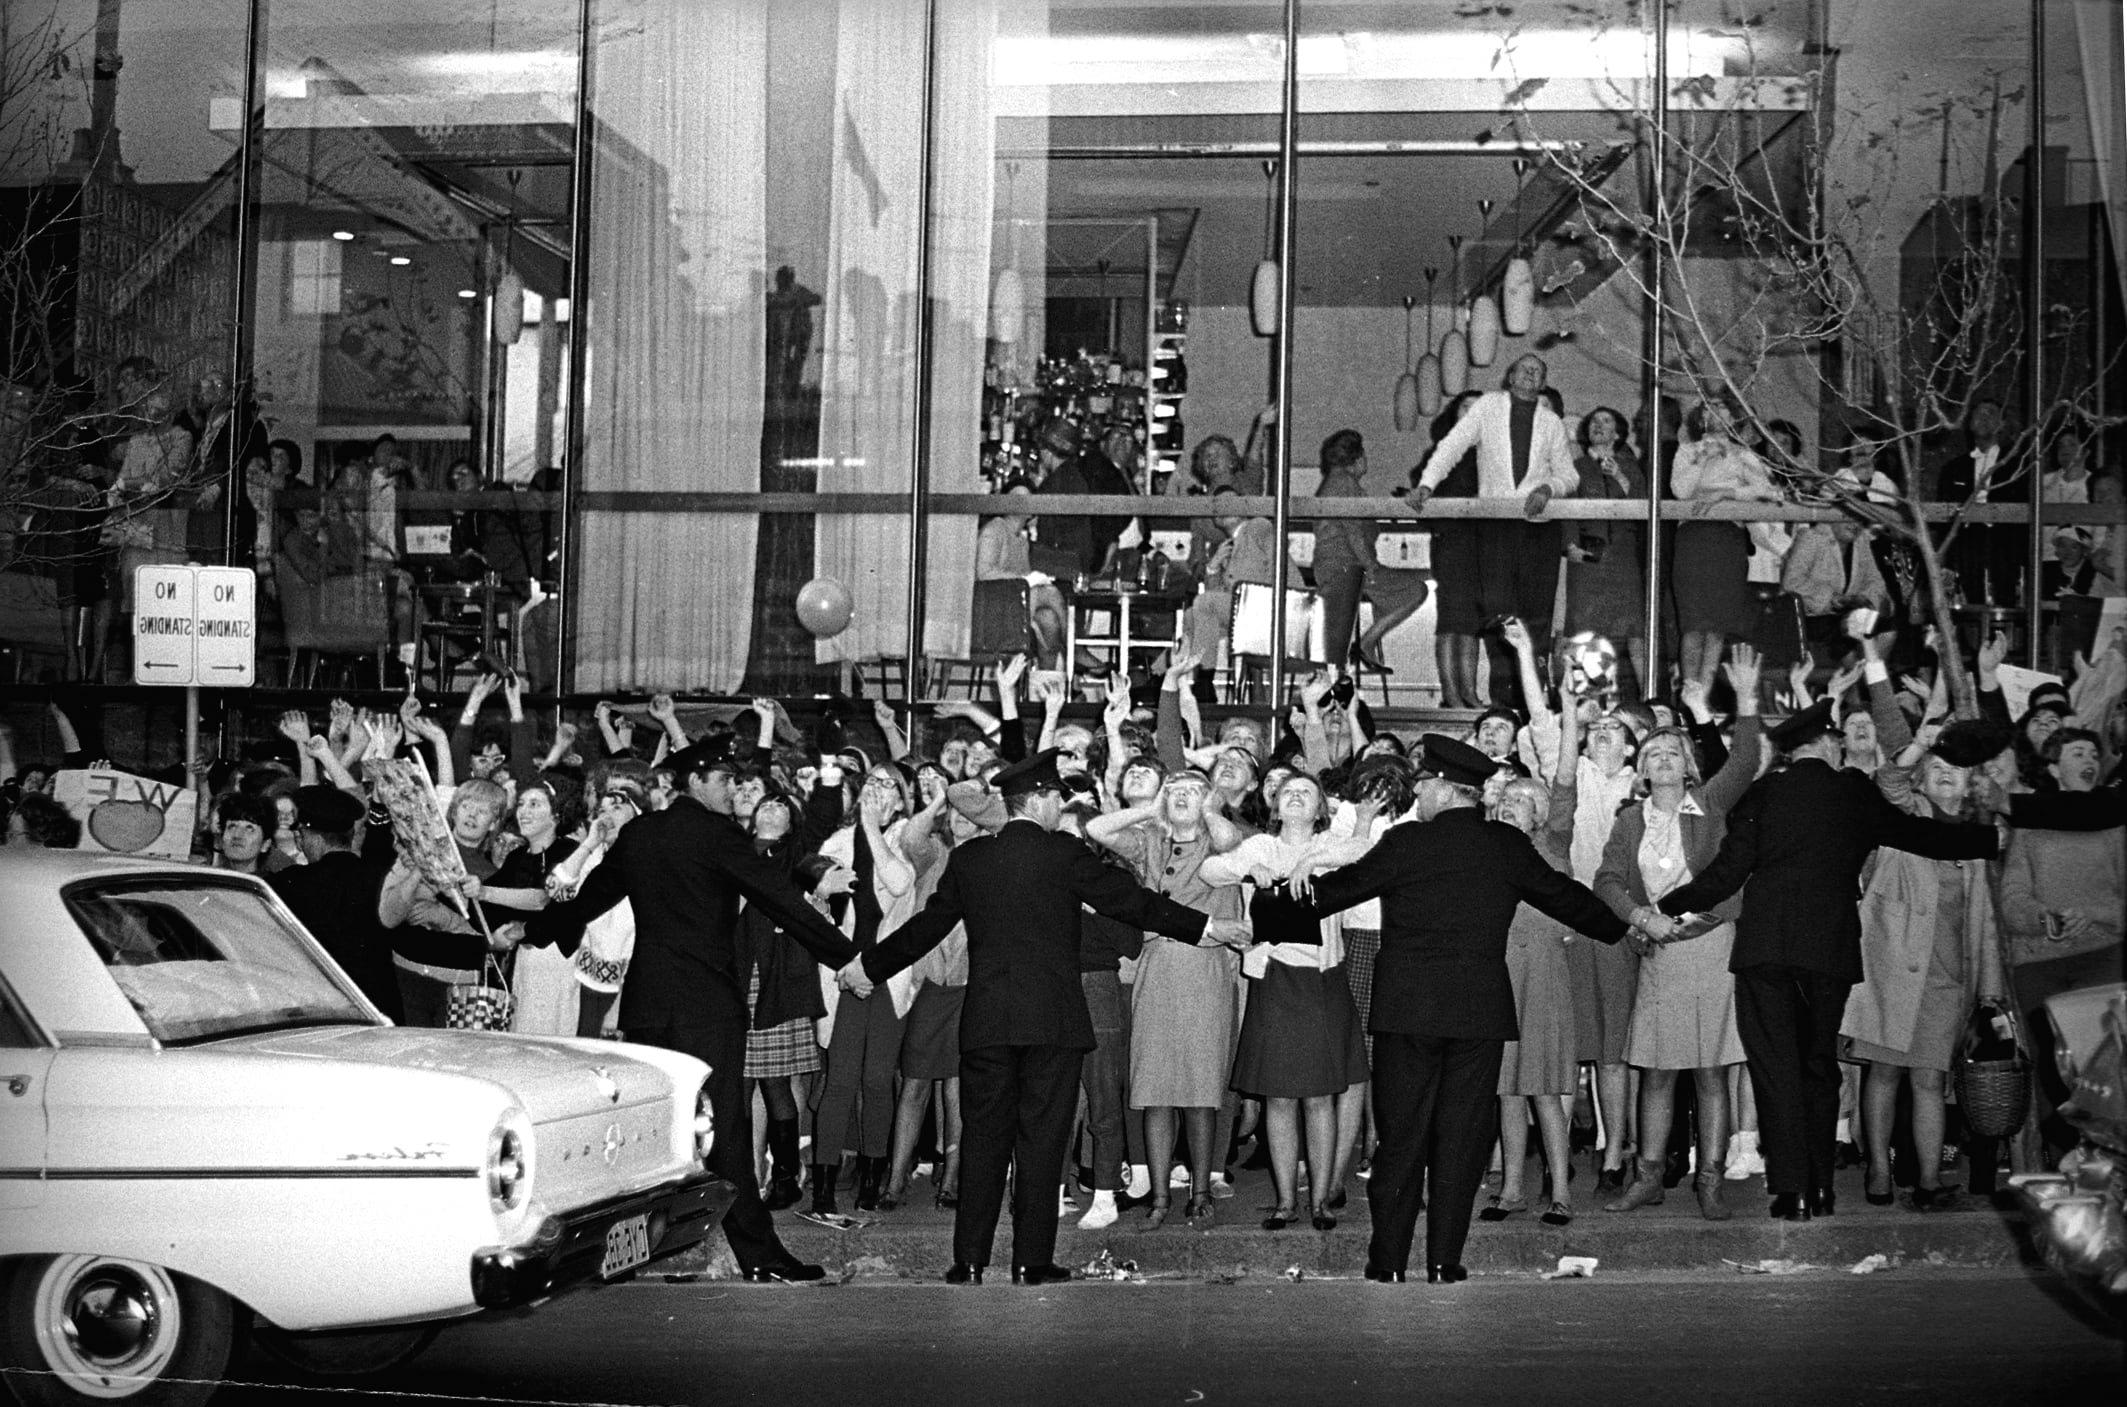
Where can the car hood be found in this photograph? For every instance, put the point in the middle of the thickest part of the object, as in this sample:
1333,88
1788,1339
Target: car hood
553,1077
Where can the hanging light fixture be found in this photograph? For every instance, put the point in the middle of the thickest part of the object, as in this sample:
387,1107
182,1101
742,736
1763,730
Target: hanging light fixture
1517,292
1008,293
1406,397
1263,291
1484,309
506,306
1428,371
1455,348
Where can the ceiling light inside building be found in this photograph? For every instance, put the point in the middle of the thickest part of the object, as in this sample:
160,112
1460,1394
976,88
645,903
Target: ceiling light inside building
468,293
400,261
343,235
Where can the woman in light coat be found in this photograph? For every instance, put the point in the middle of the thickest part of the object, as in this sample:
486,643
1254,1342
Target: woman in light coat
1684,1013
1930,949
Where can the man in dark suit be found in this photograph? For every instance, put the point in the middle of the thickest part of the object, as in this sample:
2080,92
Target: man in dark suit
1798,839
684,870
334,894
1987,558
1024,1029
1443,1006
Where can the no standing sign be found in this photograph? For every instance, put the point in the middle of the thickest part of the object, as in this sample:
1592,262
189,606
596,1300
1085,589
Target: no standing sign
195,626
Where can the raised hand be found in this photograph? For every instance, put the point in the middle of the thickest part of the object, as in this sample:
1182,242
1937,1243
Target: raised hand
1314,689
295,727
1181,666
484,686
1844,680
1117,710
339,720
1692,694
662,708
1798,681
1231,932
385,735
1008,675
882,713
1515,631
1743,668
1993,653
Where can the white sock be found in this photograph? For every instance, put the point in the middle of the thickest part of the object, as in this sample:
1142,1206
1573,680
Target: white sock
1140,1181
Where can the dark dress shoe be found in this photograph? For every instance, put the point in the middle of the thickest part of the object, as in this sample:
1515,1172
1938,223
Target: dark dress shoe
786,1272
963,1274
1821,1202
1788,1207
1038,1274
1446,1274
1384,1277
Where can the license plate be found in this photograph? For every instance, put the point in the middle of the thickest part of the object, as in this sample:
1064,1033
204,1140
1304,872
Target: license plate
627,1246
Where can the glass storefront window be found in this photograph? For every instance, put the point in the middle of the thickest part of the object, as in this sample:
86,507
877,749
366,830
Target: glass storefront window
411,328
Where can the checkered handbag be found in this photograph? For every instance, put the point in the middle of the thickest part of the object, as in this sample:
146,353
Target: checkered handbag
485,1005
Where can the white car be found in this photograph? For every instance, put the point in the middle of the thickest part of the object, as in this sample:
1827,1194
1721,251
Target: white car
202,1121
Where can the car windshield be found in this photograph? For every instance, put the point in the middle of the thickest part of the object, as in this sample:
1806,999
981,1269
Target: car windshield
207,958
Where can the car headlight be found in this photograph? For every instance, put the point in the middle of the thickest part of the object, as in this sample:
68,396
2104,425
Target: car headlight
704,1124
509,1170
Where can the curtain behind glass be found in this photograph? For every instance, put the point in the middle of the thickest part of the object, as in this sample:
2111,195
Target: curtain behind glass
2098,32
676,343
868,363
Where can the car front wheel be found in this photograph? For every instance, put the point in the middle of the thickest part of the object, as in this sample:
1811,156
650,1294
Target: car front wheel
345,1355
83,1328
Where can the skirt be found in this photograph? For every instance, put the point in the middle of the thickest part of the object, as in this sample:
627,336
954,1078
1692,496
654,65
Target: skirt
1181,1025
788,1048
1545,1059
1362,949
1605,979
1609,597
1684,1014
1300,1038
544,983
1712,579
930,1041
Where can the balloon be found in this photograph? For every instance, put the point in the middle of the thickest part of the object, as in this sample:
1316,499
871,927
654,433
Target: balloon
824,607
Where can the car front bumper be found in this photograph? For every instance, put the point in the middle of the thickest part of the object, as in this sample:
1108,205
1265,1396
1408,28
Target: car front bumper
568,1250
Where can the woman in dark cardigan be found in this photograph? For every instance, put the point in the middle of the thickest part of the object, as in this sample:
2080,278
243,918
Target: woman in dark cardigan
1683,1015
784,987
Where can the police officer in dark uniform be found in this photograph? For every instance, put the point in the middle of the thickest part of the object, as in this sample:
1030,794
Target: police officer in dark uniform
1443,1003
684,870
1798,839
1024,1029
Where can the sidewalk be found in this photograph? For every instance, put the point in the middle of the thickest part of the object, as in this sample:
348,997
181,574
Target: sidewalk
916,1240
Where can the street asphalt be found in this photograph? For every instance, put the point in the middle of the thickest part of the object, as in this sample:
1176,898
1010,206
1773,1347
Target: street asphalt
1922,1335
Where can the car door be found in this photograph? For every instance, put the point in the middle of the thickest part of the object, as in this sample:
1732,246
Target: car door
25,1065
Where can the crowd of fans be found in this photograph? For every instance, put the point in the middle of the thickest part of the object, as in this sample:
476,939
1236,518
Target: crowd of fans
1202,1048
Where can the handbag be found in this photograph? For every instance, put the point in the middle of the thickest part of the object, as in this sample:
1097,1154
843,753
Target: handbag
480,1006
1993,1074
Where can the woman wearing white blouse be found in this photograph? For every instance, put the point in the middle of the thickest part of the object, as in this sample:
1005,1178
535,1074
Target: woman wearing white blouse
1300,1043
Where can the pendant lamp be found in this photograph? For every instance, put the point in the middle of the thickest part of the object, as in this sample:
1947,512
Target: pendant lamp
1455,348
1263,290
1008,292
505,312
1517,292
1406,397
1484,310
1428,371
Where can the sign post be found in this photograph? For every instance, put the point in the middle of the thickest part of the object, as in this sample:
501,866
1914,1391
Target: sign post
195,625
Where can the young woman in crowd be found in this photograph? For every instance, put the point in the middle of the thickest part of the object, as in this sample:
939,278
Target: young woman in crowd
1300,1043
930,1039
857,1099
1684,1010
1183,1001
1930,949
1539,1071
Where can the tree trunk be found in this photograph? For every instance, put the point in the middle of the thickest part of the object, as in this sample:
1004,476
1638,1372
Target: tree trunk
1949,653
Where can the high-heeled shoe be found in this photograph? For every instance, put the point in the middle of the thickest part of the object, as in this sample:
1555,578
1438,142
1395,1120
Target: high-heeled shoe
1372,664
1336,1202
1280,1218
1157,1217
1201,1213
1322,1219
1497,1208
948,1198
1869,1194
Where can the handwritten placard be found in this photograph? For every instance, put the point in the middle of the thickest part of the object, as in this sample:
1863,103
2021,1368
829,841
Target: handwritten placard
122,814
